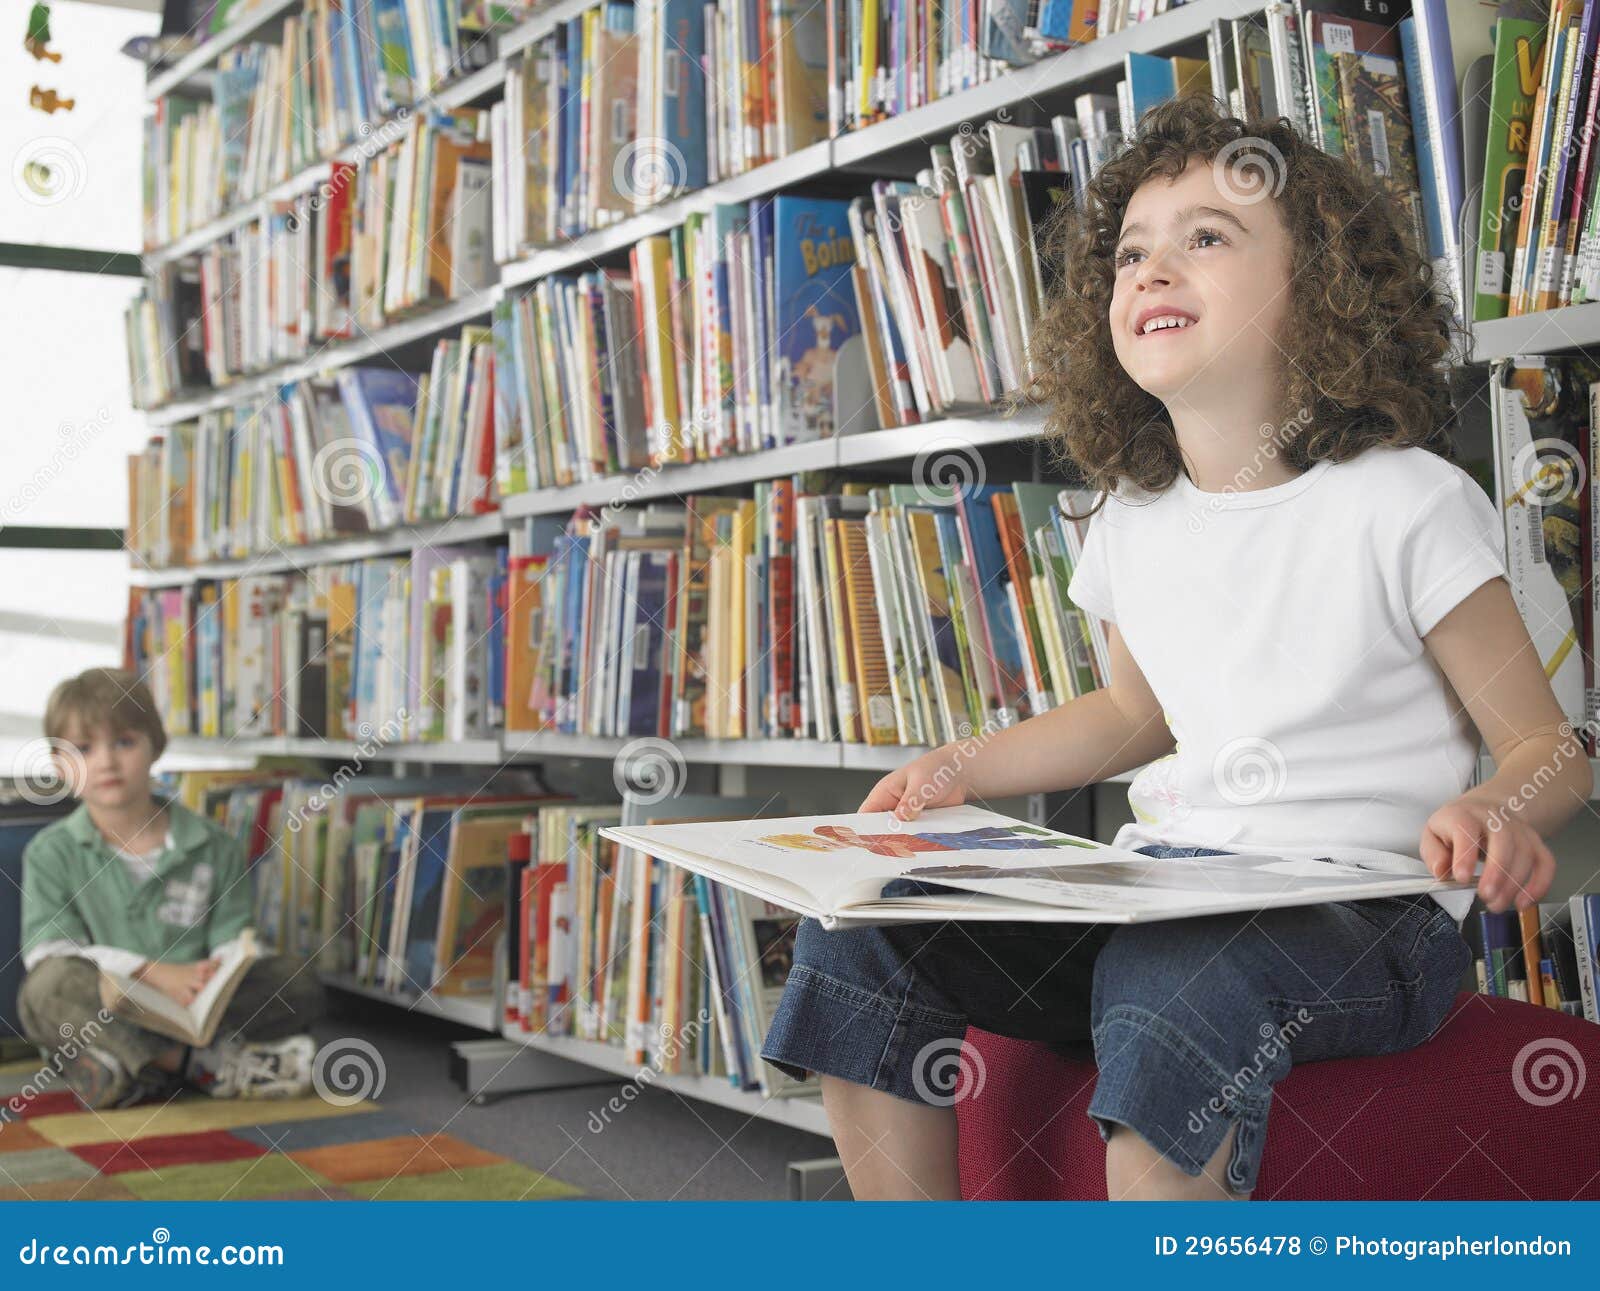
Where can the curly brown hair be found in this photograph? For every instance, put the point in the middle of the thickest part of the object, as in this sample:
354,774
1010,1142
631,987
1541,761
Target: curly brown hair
1367,333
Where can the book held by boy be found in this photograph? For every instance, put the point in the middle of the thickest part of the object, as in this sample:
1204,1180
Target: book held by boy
142,1004
834,868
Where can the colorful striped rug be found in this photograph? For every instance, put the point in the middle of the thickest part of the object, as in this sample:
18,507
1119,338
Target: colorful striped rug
198,1148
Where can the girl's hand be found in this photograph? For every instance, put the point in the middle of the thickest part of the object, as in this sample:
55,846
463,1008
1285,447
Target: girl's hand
1518,867
933,780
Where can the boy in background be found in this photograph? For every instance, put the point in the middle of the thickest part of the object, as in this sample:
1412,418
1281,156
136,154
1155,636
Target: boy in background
143,886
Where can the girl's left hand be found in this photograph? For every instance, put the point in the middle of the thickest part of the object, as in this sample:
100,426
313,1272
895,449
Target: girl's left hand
1518,867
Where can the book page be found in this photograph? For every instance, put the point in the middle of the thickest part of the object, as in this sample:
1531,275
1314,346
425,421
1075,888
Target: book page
835,867
827,864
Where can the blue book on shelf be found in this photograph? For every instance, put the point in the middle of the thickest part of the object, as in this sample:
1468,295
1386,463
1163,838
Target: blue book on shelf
1151,80
1502,939
1433,216
683,91
816,324
992,576
646,650
428,876
381,403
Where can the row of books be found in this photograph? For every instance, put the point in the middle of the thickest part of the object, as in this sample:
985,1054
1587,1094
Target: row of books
1548,954
362,451
1544,419
340,72
896,614
408,229
412,648
502,892
1539,226
628,104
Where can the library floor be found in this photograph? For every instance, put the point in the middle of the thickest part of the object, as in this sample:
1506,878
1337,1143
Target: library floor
659,1146
415,1136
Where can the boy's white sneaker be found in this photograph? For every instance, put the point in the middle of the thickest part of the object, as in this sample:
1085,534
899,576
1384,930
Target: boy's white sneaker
254,1068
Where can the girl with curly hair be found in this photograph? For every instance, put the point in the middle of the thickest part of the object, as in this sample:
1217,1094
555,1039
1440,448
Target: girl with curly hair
1310,632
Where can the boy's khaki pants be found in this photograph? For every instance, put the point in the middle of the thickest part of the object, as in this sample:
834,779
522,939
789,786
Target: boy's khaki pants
60,1003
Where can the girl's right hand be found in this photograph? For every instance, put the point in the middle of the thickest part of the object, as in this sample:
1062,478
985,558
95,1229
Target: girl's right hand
935,779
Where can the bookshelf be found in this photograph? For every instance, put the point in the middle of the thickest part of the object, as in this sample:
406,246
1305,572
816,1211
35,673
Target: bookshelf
893,147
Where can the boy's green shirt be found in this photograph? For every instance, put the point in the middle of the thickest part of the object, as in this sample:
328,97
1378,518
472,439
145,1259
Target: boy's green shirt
74,885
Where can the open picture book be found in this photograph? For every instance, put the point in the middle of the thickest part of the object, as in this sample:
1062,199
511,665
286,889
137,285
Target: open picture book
143,1005
834,868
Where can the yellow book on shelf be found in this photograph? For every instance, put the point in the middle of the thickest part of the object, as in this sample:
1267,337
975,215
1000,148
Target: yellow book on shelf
655,260
866,636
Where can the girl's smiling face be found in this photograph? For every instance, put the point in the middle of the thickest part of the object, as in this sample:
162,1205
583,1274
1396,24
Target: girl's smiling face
1202,289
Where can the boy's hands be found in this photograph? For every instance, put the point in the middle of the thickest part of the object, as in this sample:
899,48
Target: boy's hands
182,982
1518,867
933,780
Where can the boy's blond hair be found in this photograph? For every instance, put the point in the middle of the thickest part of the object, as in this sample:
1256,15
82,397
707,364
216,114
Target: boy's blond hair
104,698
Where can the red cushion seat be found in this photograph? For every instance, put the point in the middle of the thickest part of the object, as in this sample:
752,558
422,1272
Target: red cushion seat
1501,1104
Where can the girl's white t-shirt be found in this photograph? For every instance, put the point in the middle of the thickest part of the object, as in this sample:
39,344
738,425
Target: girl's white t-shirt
1281,629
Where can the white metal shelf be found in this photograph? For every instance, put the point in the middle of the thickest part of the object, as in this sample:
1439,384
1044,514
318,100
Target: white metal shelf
527,746
476,1011
863,449
1071,68
258,17
1544,332
407,538
797,166
336,354
802,1111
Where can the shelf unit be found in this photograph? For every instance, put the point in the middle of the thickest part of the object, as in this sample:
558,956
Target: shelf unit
477,1011
873,144
882,147
676,480
528,746
803,1112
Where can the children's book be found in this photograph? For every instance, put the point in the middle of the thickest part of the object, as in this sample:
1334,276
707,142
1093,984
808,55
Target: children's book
978,865
196,1023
